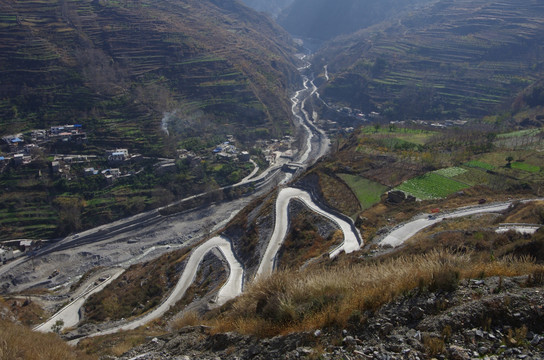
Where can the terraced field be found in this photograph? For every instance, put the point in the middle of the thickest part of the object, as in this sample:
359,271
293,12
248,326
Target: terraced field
117,67
454,59
368,192
431,186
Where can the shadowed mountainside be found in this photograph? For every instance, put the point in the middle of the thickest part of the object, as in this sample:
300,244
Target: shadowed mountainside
326,19
272,7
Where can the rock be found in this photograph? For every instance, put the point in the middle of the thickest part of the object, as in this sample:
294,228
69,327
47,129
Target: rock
417,313
317,333
483,350
304,350
458,353
253,350
349,341
479,333
220,342
387,328
536,340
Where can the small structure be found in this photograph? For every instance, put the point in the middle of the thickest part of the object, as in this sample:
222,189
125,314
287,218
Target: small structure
18,159
5,255
117,155
26,245
55,166
90,171
244,156
166,168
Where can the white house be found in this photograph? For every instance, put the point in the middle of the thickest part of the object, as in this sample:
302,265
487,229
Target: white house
6,254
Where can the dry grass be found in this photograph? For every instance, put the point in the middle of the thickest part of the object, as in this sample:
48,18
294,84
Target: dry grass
118,343
335,297
18,342
531,213
189,318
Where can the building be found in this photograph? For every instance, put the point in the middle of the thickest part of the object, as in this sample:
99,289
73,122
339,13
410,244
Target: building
55,166
55,130
5,255
90,171
18,159
244,156
117,155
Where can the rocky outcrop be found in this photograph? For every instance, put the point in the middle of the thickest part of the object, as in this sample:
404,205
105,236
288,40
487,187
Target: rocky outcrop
494,318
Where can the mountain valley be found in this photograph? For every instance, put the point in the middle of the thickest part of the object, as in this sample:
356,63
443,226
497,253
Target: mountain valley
381,198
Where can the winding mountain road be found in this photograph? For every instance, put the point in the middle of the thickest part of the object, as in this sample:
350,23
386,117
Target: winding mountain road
399,235
69,315
231,289
352,240
315,145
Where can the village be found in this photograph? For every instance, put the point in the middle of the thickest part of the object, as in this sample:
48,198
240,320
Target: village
79,172
22,149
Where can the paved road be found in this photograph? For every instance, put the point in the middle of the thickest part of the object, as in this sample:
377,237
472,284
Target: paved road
70,313
351,241
316,145
400,235
231,289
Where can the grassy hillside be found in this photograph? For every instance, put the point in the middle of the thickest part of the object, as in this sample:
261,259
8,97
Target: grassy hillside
451,59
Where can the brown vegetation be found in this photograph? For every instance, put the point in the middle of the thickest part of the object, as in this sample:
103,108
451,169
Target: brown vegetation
139,289
304,242
19,342
338,295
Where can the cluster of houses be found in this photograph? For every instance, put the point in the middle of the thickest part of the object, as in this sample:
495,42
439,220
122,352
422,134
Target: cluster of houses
61,165
20,150
228,150
65,133
277,148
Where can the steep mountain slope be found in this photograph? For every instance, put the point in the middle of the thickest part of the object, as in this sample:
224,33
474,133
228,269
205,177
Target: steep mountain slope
325,19
453,59
117,67
272,7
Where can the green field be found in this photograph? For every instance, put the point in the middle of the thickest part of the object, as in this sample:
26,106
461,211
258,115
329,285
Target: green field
480,164
368,192
519,133
525,167
475,176
451,172
431,186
